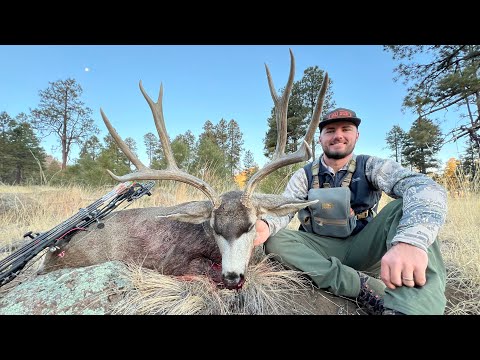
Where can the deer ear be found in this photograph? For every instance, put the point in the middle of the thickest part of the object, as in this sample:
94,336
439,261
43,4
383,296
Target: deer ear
194,212
268,204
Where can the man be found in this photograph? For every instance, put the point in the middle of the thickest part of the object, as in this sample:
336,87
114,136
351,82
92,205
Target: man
398,243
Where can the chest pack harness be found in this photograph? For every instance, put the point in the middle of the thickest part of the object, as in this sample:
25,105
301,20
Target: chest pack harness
352,165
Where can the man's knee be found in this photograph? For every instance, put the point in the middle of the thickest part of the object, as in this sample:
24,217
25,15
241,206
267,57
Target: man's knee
394,205
275,243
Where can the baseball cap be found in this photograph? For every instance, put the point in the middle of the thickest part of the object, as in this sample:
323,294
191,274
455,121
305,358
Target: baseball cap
340,114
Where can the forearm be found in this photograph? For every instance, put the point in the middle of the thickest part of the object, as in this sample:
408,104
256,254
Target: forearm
277,223
297,188
424,201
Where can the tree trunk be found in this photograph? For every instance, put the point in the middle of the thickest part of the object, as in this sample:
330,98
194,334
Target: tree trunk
64,153
18,175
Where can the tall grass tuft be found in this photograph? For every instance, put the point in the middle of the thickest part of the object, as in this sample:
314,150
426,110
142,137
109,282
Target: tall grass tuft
460,242
269,290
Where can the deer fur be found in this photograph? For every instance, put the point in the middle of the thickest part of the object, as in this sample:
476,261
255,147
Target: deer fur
186,239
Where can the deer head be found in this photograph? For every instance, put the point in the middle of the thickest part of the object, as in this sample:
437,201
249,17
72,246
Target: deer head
229,218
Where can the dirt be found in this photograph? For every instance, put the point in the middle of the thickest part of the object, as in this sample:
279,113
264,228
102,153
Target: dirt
320,302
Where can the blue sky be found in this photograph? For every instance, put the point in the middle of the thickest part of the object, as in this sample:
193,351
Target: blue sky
206,82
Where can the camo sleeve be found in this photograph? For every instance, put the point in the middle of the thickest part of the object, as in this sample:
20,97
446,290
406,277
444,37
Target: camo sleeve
424,200
297,188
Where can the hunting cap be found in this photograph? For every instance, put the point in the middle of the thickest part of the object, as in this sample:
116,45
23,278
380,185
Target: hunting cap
340,114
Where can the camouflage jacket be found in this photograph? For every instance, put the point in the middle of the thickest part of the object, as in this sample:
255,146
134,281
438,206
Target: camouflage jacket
424,201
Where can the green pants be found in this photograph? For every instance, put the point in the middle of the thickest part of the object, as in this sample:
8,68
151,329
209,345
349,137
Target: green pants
331,263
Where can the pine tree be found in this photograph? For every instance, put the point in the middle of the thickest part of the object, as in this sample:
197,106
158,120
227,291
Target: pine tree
395,140
422,143
62,113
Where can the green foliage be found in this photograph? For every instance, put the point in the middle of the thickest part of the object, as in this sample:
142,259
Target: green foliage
395,140
21,156
234,147
112,158
422,143
151,144
471,159
439,78
309,87
248,160
221,131
210,156
300,110
276,182
62,113
91,148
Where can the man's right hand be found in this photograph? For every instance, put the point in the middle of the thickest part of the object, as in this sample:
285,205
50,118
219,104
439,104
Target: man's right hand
404,265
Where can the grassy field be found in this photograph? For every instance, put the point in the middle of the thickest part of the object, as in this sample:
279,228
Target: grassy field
39,209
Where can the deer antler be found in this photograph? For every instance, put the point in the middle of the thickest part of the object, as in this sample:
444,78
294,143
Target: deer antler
279,159
172,172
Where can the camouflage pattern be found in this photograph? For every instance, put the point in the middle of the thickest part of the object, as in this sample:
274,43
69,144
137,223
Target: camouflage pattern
424,200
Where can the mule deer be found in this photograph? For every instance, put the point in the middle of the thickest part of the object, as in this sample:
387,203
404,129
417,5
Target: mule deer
191,237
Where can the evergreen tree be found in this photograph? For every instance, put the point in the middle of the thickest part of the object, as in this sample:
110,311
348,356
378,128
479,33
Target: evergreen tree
395,140
209,159
249,160
222,135
422,143
62,113
470,159
151,144
309,88
112,158
249,165
6,123
21,156
91,148
234,146
132,145
442,77
183,149
300,109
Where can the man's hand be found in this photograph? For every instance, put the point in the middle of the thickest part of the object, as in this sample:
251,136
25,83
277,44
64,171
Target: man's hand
263,232
404,265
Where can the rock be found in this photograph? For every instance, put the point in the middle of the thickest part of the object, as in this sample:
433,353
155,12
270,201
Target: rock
90,290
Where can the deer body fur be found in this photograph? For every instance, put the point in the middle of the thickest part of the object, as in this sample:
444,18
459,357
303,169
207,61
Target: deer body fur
139,236
185,239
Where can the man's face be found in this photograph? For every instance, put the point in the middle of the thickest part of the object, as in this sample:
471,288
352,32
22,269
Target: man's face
338,139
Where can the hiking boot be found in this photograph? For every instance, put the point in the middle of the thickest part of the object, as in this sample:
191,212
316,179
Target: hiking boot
371,294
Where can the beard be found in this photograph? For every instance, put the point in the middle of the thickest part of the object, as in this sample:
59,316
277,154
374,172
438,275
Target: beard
337,155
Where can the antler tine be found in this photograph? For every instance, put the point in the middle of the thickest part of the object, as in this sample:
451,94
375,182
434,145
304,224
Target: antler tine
172,172
304,152
121,144
281,107
157,111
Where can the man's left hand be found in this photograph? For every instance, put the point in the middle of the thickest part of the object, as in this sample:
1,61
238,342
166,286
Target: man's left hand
404,265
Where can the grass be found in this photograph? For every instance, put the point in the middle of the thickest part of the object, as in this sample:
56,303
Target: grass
270,291
39,209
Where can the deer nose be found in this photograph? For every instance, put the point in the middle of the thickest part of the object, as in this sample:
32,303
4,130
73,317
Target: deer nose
232,280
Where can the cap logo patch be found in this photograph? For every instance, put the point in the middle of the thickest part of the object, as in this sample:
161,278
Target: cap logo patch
339,114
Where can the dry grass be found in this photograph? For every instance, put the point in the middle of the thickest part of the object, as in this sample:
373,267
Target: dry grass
460,240
269,290
38,209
